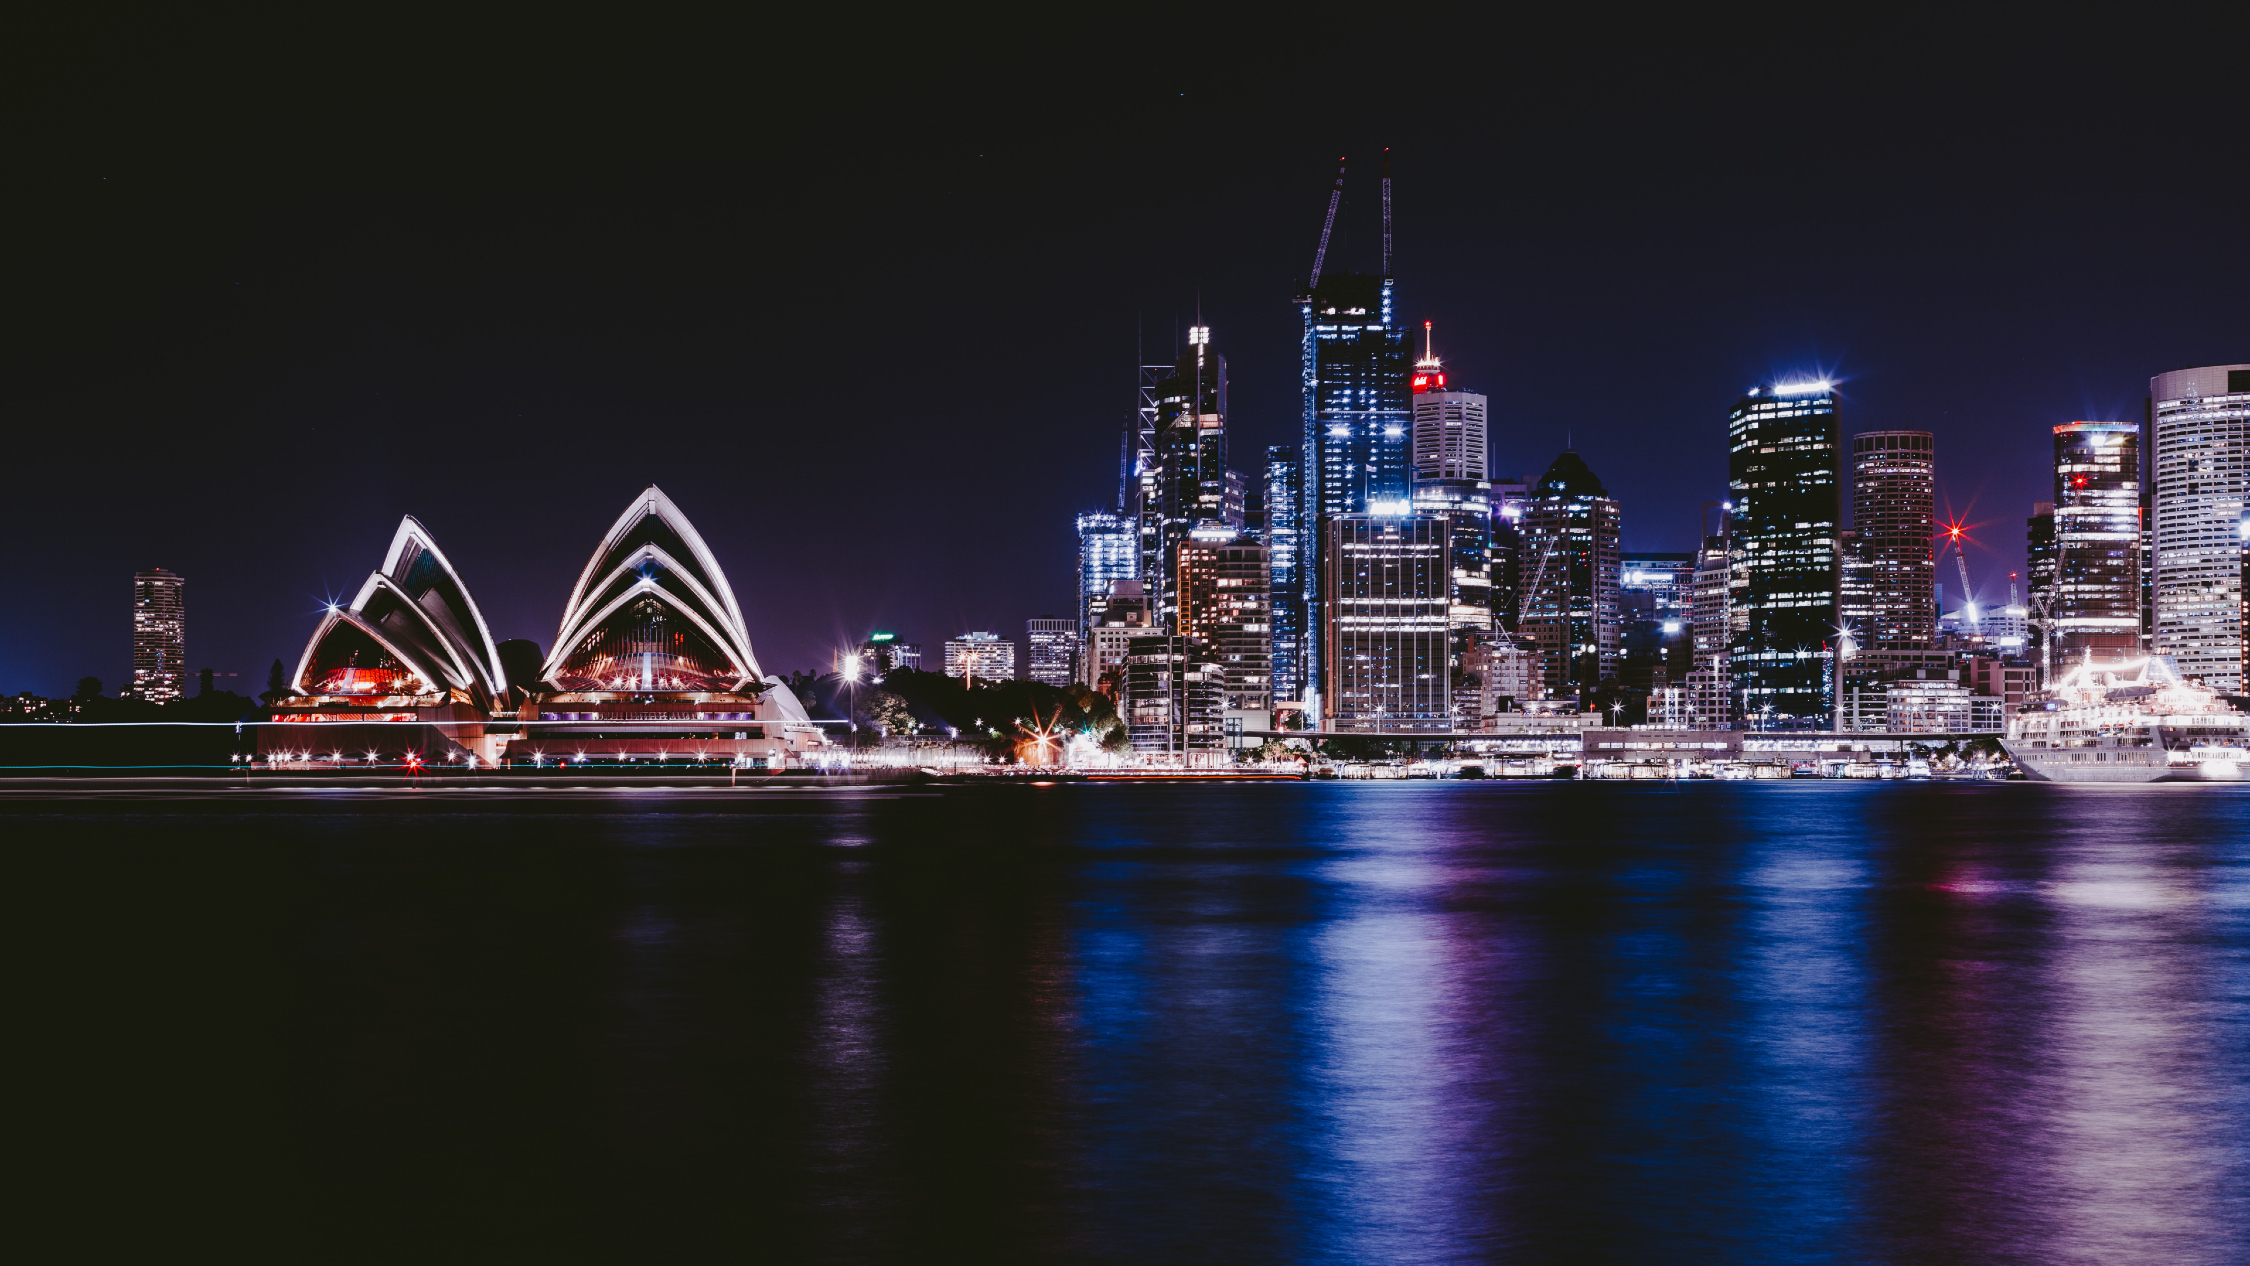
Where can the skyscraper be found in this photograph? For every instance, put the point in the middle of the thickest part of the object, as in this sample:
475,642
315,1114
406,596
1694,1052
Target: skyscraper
1855,587
1709,683
2095,542
1353,367
2201,465
1656,605
1449,427
1225,590
1570,566
1114,619
159,636
1385,584
1051,647
1284,538
1108,551
1784,469
1466,507
1509,493
1894,513
1189,487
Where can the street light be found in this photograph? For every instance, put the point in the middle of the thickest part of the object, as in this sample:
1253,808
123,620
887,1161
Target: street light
851,694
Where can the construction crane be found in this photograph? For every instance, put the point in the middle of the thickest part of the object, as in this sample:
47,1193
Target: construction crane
1968,596
1523,604
2043,605
1327,226
1386,212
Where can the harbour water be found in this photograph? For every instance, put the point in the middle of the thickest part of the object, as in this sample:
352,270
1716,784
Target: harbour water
1344,1022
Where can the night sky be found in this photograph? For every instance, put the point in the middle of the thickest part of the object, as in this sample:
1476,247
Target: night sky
864,300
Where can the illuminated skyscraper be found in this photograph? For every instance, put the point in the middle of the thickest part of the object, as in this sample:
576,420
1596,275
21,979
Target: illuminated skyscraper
1894,513
1509,493
1113,620
1656,604
1449,427
159,636
1466,506
1784,469
1190,486
1353,364
1709,683
1385,584
1285,542
1570,568
2094,540
2201,468
1051,649
1225,590
1108,551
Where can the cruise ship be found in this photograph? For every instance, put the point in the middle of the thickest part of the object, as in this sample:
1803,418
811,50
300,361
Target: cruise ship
2135,721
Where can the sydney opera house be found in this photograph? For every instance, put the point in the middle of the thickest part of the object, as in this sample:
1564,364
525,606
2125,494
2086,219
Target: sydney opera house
651,661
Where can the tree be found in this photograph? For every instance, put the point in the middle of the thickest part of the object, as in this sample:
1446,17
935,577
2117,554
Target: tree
277,683
884,710
88,688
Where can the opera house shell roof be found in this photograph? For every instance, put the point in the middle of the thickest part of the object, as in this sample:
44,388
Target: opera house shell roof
652,613
412,631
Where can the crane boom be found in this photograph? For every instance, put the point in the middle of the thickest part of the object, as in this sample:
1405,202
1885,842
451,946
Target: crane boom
1968,599
1386,213
1523,605
1327,226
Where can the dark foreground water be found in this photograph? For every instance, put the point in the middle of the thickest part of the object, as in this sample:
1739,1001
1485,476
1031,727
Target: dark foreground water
1433,1022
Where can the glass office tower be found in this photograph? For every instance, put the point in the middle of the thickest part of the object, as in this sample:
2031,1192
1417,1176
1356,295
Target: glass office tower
2096,536
1189,486
1784,469
2201,469
1356,442
1225,590
1284,540
1571,565
1108,551
1386,579
1894,513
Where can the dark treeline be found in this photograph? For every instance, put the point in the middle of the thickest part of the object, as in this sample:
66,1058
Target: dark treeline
1002,713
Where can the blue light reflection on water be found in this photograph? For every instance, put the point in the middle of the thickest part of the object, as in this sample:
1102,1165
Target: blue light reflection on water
1408,1022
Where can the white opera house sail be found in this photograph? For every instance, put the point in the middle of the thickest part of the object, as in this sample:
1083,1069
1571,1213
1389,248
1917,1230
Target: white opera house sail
652,657
412,647
652,663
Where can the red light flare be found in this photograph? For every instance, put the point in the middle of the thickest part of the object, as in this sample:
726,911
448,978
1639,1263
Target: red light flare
1958,534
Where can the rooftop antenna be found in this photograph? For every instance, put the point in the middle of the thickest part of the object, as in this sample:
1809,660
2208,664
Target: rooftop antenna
1386,213
1327,226
1427,354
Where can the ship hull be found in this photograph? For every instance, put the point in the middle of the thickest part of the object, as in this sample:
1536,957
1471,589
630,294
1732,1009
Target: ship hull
2116,765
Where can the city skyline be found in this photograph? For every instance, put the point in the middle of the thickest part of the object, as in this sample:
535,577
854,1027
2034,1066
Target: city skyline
273,306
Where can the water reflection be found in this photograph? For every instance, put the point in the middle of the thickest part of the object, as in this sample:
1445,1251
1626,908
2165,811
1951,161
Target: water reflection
1430,1022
